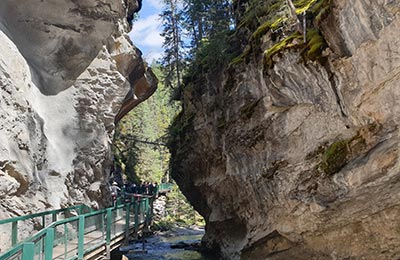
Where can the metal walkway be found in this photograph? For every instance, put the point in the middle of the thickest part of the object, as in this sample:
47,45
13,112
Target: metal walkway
78,232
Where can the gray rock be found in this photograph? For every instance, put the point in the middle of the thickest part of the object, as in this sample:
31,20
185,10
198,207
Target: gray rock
301,161
67,69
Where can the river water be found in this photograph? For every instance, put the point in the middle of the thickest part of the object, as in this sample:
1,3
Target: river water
158,247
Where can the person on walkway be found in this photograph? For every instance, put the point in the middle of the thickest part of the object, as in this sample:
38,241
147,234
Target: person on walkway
150,189
155,189
133,188
142,188
114,190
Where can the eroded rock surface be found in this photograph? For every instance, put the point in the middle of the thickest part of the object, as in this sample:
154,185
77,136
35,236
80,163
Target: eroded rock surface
301,160
66,70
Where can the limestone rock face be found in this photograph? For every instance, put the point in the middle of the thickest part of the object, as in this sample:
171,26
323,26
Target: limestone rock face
66,70
59,39
301,160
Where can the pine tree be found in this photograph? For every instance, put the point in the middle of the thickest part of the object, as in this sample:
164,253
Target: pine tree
195,20
173,60
203,19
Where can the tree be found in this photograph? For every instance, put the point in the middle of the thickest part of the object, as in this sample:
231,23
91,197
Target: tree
195,14
138,143
203,19
173,60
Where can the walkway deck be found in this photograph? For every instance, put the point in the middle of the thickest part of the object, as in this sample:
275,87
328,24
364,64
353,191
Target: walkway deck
79,232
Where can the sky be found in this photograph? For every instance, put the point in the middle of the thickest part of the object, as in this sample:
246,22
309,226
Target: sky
146,30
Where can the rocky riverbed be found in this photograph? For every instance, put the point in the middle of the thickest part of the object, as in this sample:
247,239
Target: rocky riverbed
175,244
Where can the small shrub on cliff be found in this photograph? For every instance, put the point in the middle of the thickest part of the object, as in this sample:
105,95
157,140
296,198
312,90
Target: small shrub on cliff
314,46
279,22
335,157
289,42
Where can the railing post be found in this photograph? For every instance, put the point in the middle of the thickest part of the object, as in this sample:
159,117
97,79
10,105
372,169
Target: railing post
136,217
43,221
28,251
146,212
127,221
81,236
49,244
53,217
14,233
143,210
65,240
152,199
108,232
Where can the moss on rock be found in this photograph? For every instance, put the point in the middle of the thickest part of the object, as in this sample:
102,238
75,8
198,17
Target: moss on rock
315,45
335,157
286,43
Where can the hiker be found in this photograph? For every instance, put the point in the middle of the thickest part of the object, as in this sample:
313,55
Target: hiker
114,190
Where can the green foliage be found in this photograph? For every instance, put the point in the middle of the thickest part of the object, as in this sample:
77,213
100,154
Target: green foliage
303,5
173,58
261,30
339,153
180,125
321,9
179,212
147,122
241,58
212,53
335,157
259,11
274,16
289,42
315,45
311,50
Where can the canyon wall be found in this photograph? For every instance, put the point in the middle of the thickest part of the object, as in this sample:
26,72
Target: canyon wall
289,157
67,69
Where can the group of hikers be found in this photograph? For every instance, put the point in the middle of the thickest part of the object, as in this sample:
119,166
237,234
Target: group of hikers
144,188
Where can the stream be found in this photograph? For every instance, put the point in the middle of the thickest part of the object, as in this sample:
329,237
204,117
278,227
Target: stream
158,246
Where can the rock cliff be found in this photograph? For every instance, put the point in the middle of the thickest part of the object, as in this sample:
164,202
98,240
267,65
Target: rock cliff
68,73
289,154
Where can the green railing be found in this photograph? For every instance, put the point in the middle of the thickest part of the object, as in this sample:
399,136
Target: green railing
165,187
74,237
37,221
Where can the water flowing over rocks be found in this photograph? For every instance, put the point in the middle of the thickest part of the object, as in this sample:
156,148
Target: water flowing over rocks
300,160
67,69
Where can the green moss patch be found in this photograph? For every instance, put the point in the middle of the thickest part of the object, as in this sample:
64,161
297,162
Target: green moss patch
314,46
271,15
261,30
241,58
339,153
286,43
335,157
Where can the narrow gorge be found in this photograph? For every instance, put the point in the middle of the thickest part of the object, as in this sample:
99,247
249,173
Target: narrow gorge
288,139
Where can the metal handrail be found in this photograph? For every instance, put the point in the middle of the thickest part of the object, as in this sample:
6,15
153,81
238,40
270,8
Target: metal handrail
46,237
41,214
165,186
53,213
